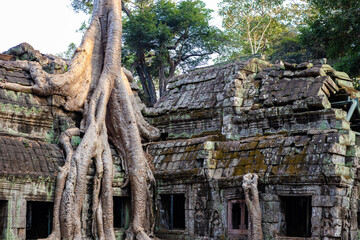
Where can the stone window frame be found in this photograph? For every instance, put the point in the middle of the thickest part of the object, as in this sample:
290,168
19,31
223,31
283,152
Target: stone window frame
121,192
172,206
174,189
39,199
126,207
297,191
244,229
283,202
35,198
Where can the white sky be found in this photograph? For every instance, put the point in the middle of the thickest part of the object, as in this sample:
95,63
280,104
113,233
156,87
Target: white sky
48,25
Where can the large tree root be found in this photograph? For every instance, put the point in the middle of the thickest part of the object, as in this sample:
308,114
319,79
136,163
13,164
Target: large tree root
96,86
250,182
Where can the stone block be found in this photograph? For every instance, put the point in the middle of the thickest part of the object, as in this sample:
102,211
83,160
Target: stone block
333,231
336,212
315,231
353,151
267,197
345,202
271,213
340,124
339,149
228,172
325,201
335,191
337,159
218,173
270,230
316,215
333,138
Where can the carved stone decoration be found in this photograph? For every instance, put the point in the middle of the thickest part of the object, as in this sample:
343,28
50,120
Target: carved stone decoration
199,220
250,182
216,229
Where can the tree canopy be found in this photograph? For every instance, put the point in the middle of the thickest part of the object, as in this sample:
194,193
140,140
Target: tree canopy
289,30
257,26
166,36
97,87
162,37
335,30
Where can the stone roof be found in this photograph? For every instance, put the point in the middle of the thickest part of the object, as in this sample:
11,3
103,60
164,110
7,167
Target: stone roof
216,99
283,122
23,114
180,158
194,102
206,88
278,84
24,157
303,83
277,158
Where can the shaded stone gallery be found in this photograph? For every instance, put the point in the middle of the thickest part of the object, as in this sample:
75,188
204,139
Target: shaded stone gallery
295,126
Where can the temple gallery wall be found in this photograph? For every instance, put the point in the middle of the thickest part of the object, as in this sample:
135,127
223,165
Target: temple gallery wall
295,126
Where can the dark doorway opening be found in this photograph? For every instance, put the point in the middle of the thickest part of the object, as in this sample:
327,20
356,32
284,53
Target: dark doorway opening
297,216
164,136
39,217
238,218
122,206
172,211
3,218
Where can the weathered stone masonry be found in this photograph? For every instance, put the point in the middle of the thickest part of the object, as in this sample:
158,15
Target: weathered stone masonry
284,122
30,156
294,125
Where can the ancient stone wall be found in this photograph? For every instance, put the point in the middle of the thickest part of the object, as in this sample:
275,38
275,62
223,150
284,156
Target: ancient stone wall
290,124
30,154
293,125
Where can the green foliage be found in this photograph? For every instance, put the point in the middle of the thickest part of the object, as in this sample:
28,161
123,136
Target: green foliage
349,64
290,48
172,33
85,6
69,53
26,143
75,141
162,36
84,26
336,30
256,26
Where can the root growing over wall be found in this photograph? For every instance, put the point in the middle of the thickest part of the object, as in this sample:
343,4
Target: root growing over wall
96,85
250,183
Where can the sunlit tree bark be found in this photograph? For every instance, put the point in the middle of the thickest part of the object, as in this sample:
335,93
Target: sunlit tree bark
96,85
250,182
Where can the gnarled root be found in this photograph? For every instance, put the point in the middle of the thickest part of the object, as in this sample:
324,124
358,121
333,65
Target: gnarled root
65,141
123,129
96,86
250,182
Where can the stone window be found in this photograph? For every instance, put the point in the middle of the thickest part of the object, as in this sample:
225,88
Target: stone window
3,218
172,211
122,206
297,216
237,217
38,219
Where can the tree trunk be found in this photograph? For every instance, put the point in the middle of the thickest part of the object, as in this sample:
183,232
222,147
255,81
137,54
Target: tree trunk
145,79
162,80
250,182
96,86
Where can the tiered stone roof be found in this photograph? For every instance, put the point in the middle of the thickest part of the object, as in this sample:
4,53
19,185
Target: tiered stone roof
280,121
22,157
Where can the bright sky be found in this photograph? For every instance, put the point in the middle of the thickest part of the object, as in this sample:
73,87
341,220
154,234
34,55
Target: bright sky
48,25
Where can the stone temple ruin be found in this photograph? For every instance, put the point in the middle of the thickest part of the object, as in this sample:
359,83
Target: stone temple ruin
296,126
